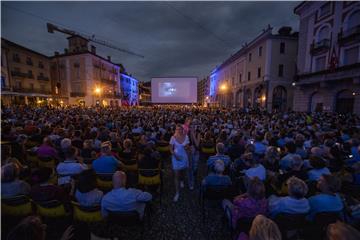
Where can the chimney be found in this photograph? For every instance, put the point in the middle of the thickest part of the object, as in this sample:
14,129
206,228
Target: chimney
66,50
93,49
56,53
109,58
285,31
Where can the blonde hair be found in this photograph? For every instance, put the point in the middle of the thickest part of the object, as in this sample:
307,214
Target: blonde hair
264,228
340,230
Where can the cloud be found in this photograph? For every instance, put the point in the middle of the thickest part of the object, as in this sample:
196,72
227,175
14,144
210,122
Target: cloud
176,38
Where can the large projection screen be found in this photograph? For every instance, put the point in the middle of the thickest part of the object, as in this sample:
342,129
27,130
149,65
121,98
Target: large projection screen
174,90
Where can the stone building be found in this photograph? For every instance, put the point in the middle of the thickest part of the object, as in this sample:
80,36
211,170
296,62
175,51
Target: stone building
329,57
260,74
203,91
25,75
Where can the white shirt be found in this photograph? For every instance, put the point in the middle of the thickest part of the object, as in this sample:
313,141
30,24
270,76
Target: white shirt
69,168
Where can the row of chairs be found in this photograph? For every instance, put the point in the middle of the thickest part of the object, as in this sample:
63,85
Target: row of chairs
21,206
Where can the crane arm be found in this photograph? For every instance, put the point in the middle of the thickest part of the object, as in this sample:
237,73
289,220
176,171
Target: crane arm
51,28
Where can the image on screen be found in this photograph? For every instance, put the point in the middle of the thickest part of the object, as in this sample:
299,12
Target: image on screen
174,90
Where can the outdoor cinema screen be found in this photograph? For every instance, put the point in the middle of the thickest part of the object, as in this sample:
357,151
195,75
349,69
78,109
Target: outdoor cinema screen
174,90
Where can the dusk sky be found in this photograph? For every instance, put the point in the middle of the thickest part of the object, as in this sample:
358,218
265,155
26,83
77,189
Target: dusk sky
176,38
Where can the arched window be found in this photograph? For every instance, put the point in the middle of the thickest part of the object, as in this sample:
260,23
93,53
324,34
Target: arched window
323,33
353,20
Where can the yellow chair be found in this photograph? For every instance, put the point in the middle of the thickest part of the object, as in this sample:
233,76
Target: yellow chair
47,162
86,214
19,206
163,149
130,166
208,150
104,181
151,177
51,209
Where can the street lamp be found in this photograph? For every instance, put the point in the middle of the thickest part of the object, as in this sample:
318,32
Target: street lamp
223,88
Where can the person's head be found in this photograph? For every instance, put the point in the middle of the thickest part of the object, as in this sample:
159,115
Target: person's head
179,130
9,172
220,148
272,154
316,151
65,143
299,140
119,179
296,162
127,144
263,228
21,139
317,162
343,231
290,147
77,133
42,175
106,147
256,188
71,153
86,181
219,166
47,141
31,228
297,188
329,184
88,143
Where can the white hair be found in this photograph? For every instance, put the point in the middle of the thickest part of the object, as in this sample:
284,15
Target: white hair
65,143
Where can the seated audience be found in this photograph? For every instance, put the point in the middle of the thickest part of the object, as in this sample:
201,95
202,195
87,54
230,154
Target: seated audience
262,228
319,168
285,162
249,204
220,154
11,185
106,163
86,192
217,178
47,149
295,203
328,200
122,199
295,170
343,231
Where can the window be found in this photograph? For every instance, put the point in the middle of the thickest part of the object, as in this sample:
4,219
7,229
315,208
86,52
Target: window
30,73
353,20
16,57
42,88
249,57
325,9
351,55
240,77
260,51
249,76
3,82
281,70
29,61
323,34
18,85
320,63
41,65
259,73
282,47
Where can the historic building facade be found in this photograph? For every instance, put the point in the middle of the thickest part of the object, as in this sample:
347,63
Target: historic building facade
81,77
25,75
203,91
329,57
130,90
259,75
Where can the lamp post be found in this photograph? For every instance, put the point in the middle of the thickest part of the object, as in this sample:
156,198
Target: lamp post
223,89
98,92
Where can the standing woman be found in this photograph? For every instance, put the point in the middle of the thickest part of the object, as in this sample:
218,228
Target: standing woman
179,157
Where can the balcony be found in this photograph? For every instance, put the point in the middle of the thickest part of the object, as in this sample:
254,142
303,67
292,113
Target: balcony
19,74
77,94
351,35
107,81
30,90
42,78
320,47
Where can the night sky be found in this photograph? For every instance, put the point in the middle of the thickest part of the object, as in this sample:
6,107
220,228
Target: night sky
176,38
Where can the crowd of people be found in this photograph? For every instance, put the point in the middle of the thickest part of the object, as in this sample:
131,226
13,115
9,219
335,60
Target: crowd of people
272,163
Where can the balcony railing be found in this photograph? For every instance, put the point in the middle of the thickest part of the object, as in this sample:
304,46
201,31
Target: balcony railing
19,74
107,81
320,46
77,94
42,78
350,35
31,90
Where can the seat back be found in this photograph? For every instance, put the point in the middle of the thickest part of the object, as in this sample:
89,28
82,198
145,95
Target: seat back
243,225
149,177
18,206
104,181
208,150
163,148
288,222
128,218
47,162
323,219
218,192
86,214
51,209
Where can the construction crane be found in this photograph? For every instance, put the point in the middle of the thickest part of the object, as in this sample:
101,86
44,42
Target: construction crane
51,28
